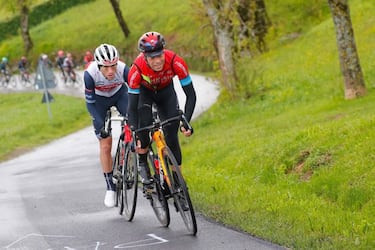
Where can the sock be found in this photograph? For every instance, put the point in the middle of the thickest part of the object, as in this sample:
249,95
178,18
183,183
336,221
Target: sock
143,158
109,182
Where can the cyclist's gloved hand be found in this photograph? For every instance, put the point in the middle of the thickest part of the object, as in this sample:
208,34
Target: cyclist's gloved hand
104,133
186,130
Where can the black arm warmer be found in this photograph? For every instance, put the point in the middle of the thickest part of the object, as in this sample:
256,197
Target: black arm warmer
191,99
133,110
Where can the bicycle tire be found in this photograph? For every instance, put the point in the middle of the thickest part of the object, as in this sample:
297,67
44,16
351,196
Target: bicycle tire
158,201
118,161
22,80
180,191
12,81
129,183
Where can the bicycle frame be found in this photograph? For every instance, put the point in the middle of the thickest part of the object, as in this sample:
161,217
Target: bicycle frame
124,176
158,138
170,171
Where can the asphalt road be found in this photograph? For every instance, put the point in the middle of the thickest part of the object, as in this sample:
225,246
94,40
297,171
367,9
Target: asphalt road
52,198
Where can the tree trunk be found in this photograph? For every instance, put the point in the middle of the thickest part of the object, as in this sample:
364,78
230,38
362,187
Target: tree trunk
349,60
253,26
223,43
261,25
116,8
24,21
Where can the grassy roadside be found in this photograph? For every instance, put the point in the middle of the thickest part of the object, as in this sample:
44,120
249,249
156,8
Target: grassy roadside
25,122
293,164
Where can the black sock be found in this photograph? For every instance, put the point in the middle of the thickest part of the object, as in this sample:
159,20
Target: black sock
143,158
109,182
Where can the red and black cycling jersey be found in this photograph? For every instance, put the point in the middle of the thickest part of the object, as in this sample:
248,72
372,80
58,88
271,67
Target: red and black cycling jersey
141,74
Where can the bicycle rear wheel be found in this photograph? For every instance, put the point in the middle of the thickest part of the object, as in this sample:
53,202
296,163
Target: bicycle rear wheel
180,191
129,183
158,201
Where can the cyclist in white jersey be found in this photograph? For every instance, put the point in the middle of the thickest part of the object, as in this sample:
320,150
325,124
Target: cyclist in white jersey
106,86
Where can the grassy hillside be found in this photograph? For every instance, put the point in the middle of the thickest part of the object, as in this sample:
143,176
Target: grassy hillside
190,39
292,161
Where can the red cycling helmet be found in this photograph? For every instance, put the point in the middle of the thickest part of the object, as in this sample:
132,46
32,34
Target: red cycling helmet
60,53
151,44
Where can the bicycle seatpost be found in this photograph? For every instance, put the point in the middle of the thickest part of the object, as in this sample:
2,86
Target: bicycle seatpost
107,125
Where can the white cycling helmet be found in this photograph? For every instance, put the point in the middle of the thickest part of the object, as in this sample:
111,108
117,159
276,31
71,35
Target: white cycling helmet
106,55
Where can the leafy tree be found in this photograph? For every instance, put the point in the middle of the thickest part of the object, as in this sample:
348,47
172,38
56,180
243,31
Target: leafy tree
223,39
349,60
116,8
22,7
237,24
253,25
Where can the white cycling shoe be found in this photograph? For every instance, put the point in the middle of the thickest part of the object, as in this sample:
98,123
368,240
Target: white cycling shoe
109,200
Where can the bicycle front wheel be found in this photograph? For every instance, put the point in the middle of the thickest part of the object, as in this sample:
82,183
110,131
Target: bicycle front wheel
158,201
118,161
130,183
179,191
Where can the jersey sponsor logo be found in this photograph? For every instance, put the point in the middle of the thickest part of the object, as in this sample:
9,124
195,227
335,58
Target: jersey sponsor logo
108,87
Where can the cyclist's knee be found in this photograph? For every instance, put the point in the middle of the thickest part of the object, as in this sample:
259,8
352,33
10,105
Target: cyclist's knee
106,145
142,151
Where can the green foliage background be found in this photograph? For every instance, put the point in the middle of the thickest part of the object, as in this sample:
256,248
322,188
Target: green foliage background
290,161
38,15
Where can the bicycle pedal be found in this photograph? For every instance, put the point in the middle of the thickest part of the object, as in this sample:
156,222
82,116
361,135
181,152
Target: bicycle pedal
147,192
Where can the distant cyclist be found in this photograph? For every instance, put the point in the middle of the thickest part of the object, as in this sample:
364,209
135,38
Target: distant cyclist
60,62
87,59
23,68
22,64
106,86
151,82
69,66
4,70
4,65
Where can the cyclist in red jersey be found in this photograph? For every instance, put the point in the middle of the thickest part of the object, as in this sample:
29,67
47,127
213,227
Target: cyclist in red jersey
151,82
87,59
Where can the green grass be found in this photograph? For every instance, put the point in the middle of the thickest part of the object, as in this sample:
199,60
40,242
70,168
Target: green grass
302,178
25,121
291,161
294,163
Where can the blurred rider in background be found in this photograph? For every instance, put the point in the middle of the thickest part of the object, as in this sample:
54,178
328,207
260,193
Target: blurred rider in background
60,62
69,66
4,65
87,59
23,68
